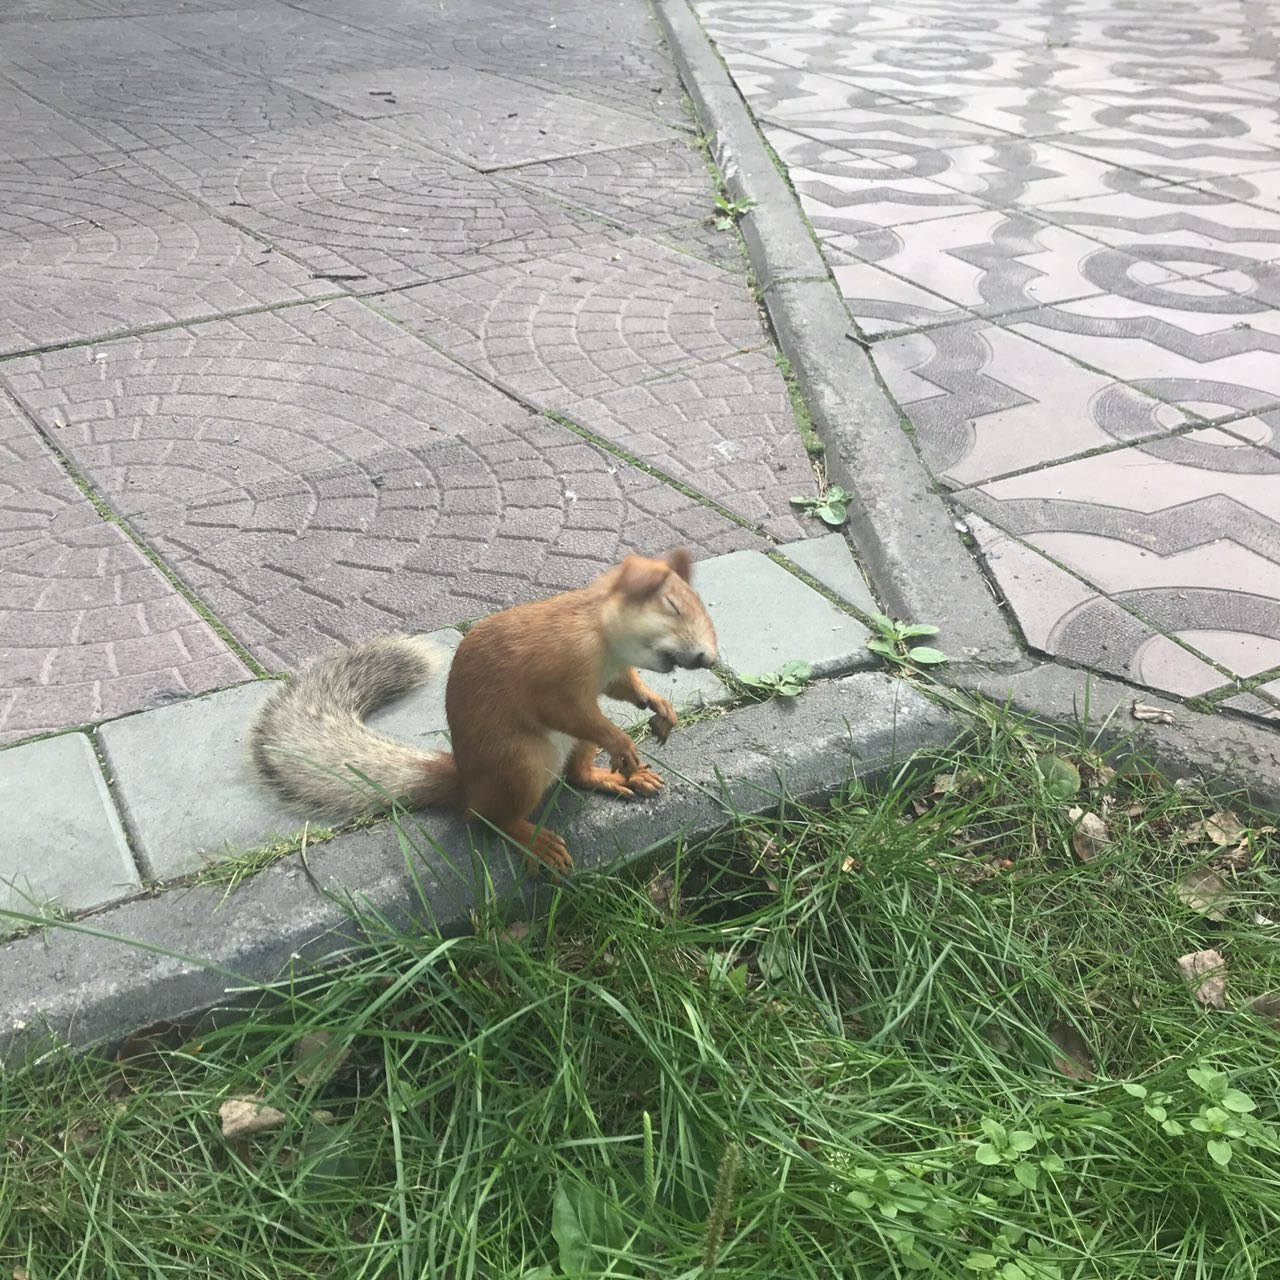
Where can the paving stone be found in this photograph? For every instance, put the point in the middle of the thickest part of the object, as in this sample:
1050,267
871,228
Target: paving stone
374,208
119,96
766,617
422,538
655,187
276,42
90,628
725,428
185,784
577,325
829,561
33,131
67,196
38,499
484,120
63,844
225,406
63,288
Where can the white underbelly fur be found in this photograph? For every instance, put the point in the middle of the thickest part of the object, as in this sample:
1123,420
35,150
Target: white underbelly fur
562,744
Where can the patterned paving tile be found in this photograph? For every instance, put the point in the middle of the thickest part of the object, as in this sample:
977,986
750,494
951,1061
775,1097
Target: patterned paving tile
1160,528
841,190
421,537
984,402
88,627
726,429
1063,617
1146,329
1149,130
991,261
574,325
178,415
485,120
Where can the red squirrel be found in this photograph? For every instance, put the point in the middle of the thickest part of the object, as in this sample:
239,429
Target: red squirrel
522,701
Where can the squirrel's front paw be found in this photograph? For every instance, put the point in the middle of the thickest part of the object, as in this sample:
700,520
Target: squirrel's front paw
664,718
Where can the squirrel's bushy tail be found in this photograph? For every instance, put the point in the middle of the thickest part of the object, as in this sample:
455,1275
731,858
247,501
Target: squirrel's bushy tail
310,742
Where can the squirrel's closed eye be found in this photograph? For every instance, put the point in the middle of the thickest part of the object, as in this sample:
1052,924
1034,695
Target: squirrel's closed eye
671,604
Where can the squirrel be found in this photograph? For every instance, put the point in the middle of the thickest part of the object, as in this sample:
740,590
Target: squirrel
522,702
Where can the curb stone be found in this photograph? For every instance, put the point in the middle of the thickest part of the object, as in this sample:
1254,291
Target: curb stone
900,525
58,819
125,967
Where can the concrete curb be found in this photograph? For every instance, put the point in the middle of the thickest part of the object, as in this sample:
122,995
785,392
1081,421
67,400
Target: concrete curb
901,529
1224,753
138,963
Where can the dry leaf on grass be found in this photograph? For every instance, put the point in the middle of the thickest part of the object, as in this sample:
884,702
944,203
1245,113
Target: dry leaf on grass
1073,1058
1206,972
1151,715
1090,835
1223,828
1204,891
243,1116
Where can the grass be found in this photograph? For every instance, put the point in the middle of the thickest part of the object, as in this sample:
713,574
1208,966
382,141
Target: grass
905,1035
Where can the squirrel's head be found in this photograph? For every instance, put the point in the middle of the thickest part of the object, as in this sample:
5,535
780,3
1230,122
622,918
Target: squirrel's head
654,618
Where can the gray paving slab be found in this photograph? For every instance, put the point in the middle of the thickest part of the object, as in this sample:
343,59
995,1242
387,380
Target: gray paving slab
766,617
63,847
185,785
829,561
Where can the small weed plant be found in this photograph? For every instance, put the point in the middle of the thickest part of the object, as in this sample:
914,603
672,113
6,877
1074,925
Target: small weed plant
894,642
788,681
832,508
730,212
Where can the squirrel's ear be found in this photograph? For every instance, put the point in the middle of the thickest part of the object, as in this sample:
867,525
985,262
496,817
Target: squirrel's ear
681,561
639,578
